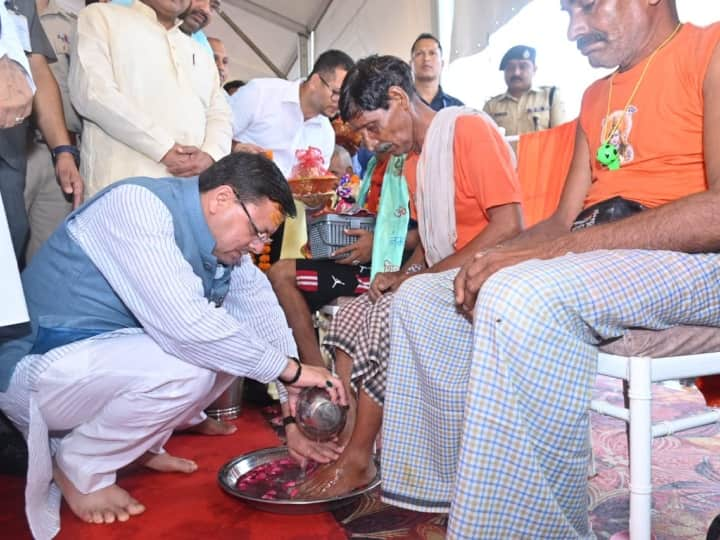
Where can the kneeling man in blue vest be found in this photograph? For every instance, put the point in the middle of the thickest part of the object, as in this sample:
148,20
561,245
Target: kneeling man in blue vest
144,306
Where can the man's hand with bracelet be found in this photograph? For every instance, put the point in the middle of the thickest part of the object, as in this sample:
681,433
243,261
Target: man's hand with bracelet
295,377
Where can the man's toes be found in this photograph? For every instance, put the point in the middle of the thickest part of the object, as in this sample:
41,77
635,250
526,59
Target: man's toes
187,465
97,517
108,516
122,514
135,507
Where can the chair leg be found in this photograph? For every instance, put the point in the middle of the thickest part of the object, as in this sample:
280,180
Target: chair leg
626,402
592,469
640,398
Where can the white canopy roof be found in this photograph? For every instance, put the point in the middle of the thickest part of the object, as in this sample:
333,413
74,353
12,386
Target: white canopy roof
358,27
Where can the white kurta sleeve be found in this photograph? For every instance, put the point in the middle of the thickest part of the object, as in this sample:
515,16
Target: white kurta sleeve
328,147
97,97
218,129
243,104
129,236
252,301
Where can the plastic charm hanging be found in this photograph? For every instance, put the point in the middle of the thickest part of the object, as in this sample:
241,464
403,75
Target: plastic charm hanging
608,155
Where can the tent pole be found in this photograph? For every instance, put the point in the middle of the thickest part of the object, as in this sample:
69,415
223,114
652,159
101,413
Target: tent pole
311,50
303,52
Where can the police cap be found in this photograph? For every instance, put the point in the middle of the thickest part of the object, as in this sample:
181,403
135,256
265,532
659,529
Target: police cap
518,52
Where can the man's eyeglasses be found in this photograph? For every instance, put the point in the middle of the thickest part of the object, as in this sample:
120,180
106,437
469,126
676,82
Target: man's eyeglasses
335,92
263,237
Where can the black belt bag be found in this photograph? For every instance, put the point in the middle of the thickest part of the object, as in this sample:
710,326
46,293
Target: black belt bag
605,212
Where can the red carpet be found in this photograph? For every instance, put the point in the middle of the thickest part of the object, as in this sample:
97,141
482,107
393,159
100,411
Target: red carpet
185,506
686,475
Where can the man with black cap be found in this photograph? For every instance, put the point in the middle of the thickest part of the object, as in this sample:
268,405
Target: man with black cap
523,108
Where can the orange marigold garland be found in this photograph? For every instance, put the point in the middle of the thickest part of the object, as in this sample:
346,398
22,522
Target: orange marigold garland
262,261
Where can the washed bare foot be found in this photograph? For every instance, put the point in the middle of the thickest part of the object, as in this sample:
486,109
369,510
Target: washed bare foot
167,463
338,478
210,426
103,506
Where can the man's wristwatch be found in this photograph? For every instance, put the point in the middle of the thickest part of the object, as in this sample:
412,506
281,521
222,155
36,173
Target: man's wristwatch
287,420
70,149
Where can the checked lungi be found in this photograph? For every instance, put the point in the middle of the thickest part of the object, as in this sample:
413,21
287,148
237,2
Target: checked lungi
362,330
490,420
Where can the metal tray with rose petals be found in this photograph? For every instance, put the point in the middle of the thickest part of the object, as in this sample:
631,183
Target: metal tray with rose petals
232,477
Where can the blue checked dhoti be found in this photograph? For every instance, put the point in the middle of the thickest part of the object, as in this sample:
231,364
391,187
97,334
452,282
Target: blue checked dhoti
489,421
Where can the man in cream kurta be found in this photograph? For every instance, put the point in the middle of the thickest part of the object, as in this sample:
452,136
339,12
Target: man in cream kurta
149,95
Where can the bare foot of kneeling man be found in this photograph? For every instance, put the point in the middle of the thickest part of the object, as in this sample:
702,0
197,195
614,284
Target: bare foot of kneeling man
210,426
113,503
165,462
349,472
105,505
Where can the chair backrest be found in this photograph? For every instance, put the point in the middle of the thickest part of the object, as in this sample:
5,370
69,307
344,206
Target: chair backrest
543,163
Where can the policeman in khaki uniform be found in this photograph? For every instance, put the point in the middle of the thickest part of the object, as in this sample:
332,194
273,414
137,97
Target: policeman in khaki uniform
522,108
46,204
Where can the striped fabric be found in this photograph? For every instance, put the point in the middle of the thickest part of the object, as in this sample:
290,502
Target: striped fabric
130,238
490,421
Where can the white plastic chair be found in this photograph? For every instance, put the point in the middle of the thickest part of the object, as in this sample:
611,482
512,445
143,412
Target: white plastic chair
638,373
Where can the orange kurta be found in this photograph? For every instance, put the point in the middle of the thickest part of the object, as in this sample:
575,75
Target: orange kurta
660,136
484,176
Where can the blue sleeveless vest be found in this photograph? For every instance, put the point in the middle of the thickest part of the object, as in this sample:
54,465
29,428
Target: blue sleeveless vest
69,299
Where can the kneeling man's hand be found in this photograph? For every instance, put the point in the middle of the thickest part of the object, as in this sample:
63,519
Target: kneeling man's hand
313,376
302,449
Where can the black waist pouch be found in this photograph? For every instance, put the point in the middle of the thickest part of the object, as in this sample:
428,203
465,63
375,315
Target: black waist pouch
605,212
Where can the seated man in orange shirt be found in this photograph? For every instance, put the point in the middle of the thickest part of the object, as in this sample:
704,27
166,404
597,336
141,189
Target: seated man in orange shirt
468,198
487,419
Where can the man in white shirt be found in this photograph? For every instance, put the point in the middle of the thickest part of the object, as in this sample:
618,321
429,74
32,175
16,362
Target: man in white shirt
167,309
284,116
152,104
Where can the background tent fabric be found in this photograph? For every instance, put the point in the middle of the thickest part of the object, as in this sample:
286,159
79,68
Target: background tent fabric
358,27
474,21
